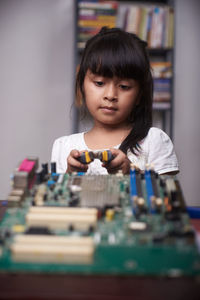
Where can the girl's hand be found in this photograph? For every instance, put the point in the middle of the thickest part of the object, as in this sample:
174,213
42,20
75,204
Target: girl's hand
120,162
73,165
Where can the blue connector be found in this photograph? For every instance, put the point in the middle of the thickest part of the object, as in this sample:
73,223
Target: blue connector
193,212
149,189
133,188
81,173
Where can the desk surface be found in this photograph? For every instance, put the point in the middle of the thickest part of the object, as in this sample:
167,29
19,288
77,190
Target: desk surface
30,287
196,224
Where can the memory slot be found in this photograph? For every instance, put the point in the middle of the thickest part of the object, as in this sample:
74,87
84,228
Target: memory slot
149,189
156,201
61,221
154,183
54,249
133,188
139,185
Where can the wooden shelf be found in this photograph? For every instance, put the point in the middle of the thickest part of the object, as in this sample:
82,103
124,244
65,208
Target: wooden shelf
156,55
152,51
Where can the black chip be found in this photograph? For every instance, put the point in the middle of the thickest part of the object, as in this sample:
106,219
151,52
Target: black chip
38,230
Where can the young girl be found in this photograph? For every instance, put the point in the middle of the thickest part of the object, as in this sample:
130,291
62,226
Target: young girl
115,83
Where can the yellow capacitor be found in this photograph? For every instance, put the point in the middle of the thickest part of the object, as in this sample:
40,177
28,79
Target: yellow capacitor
109,214
18,228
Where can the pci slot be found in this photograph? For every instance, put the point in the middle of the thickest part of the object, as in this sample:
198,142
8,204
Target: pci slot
61,221
62,217
136,193
52,249
63,210
156,200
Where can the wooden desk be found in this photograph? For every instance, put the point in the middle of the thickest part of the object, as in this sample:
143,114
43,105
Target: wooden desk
71,287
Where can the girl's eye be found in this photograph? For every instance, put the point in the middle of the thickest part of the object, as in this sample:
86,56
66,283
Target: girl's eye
99,83
125,87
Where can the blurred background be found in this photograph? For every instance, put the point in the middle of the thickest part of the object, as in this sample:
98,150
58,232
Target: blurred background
40,46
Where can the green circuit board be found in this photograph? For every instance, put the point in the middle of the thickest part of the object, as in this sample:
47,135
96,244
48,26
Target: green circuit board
97,224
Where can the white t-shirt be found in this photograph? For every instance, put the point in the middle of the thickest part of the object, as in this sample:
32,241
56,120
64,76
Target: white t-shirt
156,150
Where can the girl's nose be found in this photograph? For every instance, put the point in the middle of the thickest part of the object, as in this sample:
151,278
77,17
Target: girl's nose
110,92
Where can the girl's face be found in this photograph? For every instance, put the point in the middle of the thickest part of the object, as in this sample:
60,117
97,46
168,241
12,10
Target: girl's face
110,100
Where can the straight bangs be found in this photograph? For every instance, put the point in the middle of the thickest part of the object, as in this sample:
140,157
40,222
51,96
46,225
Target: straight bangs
110,57
116,53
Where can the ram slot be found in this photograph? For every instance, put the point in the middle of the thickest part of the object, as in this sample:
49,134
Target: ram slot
157,201
150,192
140,200
133,189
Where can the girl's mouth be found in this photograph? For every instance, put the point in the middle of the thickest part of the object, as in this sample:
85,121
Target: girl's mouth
108,108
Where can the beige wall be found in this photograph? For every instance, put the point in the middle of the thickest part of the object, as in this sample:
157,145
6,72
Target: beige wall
187,97
36,79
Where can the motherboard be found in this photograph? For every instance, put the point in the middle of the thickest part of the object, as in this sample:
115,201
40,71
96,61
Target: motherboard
96,224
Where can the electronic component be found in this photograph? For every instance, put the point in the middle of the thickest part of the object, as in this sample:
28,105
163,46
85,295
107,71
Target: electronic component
61,218
96,224
52,249
88,156
99,191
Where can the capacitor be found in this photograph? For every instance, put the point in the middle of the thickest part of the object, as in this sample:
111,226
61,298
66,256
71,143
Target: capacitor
45,168
109,214
53,167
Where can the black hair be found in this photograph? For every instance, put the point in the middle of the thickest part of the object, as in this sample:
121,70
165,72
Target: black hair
114,52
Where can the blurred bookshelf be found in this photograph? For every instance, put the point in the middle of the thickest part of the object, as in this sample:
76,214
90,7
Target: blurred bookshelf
152,21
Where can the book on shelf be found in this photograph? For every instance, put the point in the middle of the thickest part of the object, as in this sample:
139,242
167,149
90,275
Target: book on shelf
161,69
92,15
152,23
97,4
161,96
161,105
162,76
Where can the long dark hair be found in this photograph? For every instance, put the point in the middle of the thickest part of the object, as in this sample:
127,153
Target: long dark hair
114,52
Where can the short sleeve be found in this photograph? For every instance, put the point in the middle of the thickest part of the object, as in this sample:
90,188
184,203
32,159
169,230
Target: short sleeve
161,153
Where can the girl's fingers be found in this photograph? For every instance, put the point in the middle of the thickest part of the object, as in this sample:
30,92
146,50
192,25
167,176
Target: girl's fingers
120,162
75,153
113,169
118,159
73,164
